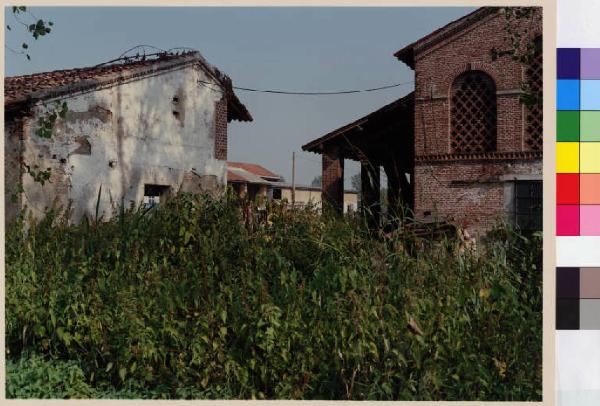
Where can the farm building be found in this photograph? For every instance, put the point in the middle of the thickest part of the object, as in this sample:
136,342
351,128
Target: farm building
254,181
250,180
462,146
311,196
135,130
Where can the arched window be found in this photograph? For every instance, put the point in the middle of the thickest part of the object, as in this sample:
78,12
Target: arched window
534,107
473,113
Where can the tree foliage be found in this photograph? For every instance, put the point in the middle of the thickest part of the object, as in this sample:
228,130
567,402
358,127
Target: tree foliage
34,26
521,45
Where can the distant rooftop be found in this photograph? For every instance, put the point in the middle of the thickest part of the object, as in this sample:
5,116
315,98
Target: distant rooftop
245,172
253,168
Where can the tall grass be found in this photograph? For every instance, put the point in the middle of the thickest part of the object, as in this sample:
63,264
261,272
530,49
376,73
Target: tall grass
188,300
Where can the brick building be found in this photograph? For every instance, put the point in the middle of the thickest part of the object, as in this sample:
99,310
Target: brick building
136,129
462,146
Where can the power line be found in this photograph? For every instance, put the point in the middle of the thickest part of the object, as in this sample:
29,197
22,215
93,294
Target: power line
143,47
322,93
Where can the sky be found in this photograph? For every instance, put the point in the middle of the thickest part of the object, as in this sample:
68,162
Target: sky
281,48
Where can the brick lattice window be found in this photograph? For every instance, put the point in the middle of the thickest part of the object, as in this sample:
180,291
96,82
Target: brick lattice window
473,113
534,112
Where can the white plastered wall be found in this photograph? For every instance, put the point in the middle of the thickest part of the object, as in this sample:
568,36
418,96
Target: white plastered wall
135,139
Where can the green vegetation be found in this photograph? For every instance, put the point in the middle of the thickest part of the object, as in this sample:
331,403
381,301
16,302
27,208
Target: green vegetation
192,300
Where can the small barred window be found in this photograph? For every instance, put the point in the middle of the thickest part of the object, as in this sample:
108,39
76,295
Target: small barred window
473,113
534,108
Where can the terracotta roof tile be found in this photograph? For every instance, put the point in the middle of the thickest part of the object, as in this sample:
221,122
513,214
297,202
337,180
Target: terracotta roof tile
253,168
242,175
19,88
234,176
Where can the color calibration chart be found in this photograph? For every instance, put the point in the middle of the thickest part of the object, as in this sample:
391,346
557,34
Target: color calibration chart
577,336
578,142
577,298
578,181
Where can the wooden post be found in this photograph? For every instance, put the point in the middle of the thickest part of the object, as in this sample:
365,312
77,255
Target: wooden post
333,179
293,178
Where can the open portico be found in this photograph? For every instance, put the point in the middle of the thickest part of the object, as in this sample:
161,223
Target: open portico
383,138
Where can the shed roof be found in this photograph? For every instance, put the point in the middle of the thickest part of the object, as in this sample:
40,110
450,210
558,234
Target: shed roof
372,119
20,90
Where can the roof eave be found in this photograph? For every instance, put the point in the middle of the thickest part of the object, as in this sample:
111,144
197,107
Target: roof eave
407,54
236,110
316,145
89,84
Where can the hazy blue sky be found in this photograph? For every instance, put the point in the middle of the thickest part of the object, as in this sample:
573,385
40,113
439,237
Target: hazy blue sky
306,49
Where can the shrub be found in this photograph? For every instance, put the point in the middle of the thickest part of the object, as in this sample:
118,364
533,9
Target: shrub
35,377
189,300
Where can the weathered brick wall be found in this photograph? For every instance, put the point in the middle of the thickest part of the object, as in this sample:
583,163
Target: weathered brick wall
221,129
471,193
20,147
458,188
42,154
13,133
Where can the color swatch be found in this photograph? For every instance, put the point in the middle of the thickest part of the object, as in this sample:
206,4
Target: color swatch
577,340
577,298
578,142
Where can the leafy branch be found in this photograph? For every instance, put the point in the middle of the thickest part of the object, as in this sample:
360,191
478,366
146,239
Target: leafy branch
45,129
47,120
38,175
37,28
521,47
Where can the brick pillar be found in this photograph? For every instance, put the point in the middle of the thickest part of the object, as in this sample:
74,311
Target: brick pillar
333,179
13,176
221,129
370,186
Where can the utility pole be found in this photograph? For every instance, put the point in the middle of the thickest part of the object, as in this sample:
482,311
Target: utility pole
293,178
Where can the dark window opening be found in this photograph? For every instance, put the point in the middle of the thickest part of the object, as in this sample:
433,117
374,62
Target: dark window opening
178,111
154,194
528,205
277,194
